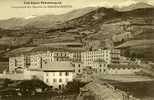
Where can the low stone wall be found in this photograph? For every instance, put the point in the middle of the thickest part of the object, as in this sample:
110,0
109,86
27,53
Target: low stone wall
123,71
22,76
15,76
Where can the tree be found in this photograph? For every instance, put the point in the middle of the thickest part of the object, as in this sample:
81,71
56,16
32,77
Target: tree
6,82
29,86
73,87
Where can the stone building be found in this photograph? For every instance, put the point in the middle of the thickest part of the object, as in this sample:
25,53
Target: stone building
123,69
58,74
109,56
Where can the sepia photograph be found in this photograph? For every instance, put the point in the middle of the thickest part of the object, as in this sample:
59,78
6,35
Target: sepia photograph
77,50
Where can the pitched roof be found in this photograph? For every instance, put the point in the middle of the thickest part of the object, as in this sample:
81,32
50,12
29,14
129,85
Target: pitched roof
20,51
58,66
58,48
61,44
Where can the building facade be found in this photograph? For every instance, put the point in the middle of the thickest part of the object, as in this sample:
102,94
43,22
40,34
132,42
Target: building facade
122,37
108,56
28,61
123,69
54,67
78,67
35,60
16,62
58,74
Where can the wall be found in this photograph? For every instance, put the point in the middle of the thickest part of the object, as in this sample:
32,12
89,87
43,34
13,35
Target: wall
123,71
89,57
15,62
51,77
109,56
60,56
78,67
101,67
15,76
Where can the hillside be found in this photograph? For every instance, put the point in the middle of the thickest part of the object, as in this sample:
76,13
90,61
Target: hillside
94,27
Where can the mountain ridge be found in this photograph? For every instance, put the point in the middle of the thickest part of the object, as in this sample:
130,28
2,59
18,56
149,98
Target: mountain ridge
134,6
45,21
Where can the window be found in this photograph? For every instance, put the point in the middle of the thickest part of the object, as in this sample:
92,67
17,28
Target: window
60,73
100,65
60,86
60,80
27,60
104,70
67,73
57,53
45,61
41,62
73,65
46,74
54,80
66,80
53,74
79,65
15,62
47,80
63,86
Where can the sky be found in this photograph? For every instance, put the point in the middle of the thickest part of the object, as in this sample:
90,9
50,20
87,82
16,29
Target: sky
12,8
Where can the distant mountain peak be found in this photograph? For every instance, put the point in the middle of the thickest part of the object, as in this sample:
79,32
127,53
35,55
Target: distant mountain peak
134,6
141,5
29,17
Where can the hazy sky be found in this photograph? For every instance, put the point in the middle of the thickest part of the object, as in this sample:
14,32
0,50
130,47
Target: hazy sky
7,11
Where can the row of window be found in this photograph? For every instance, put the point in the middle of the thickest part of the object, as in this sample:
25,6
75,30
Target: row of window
58,80
100,70
61,59
93,59
60,74
96,52
95,55
60,54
